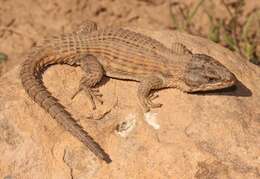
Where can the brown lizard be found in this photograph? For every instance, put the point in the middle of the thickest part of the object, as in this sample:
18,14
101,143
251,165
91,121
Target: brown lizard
122,54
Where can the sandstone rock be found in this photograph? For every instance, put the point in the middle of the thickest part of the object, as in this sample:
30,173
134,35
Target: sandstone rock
209,135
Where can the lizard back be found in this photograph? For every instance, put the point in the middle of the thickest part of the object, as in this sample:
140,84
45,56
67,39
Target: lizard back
122,53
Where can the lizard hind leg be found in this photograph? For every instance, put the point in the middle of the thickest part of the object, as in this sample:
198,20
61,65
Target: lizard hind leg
144,92
94,73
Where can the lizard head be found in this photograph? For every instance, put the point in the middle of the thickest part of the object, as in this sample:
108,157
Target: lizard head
204,73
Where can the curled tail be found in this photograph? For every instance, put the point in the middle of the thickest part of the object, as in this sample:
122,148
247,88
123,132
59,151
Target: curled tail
31,77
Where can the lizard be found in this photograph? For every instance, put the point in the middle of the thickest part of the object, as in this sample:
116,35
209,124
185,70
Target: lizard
122,54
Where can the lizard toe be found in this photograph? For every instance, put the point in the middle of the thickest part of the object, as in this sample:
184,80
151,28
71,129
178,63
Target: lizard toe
150,99
154,105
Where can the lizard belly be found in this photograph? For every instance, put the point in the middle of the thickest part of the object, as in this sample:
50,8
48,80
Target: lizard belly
123,75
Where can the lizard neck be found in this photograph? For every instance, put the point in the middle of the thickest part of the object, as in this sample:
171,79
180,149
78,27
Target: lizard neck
177,67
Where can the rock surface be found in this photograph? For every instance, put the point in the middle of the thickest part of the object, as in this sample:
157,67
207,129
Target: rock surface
209,135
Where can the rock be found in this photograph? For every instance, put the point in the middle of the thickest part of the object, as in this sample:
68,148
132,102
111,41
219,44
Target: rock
206,135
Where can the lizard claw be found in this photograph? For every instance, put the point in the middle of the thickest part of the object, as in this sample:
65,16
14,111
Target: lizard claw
148,104
154,105
92,95
76,93
153,96
96,95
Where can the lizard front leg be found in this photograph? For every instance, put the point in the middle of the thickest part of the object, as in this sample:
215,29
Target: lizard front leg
94,73
144,92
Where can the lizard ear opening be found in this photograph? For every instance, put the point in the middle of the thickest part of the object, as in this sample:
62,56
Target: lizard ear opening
180,49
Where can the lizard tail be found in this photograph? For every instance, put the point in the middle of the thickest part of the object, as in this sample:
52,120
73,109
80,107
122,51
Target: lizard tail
31,77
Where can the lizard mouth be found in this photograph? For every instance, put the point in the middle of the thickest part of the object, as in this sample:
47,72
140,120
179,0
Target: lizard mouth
212,86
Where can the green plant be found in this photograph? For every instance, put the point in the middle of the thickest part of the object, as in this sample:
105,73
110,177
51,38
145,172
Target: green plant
236,33
182,15
239,32
3,57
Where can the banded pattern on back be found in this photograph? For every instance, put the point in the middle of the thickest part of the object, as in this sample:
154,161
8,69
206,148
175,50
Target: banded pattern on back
121,51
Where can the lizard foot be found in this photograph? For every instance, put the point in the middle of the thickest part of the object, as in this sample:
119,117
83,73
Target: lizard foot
146,92
92,94
150,99
148,103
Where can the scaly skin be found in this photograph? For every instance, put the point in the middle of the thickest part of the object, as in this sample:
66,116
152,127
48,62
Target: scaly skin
122,54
